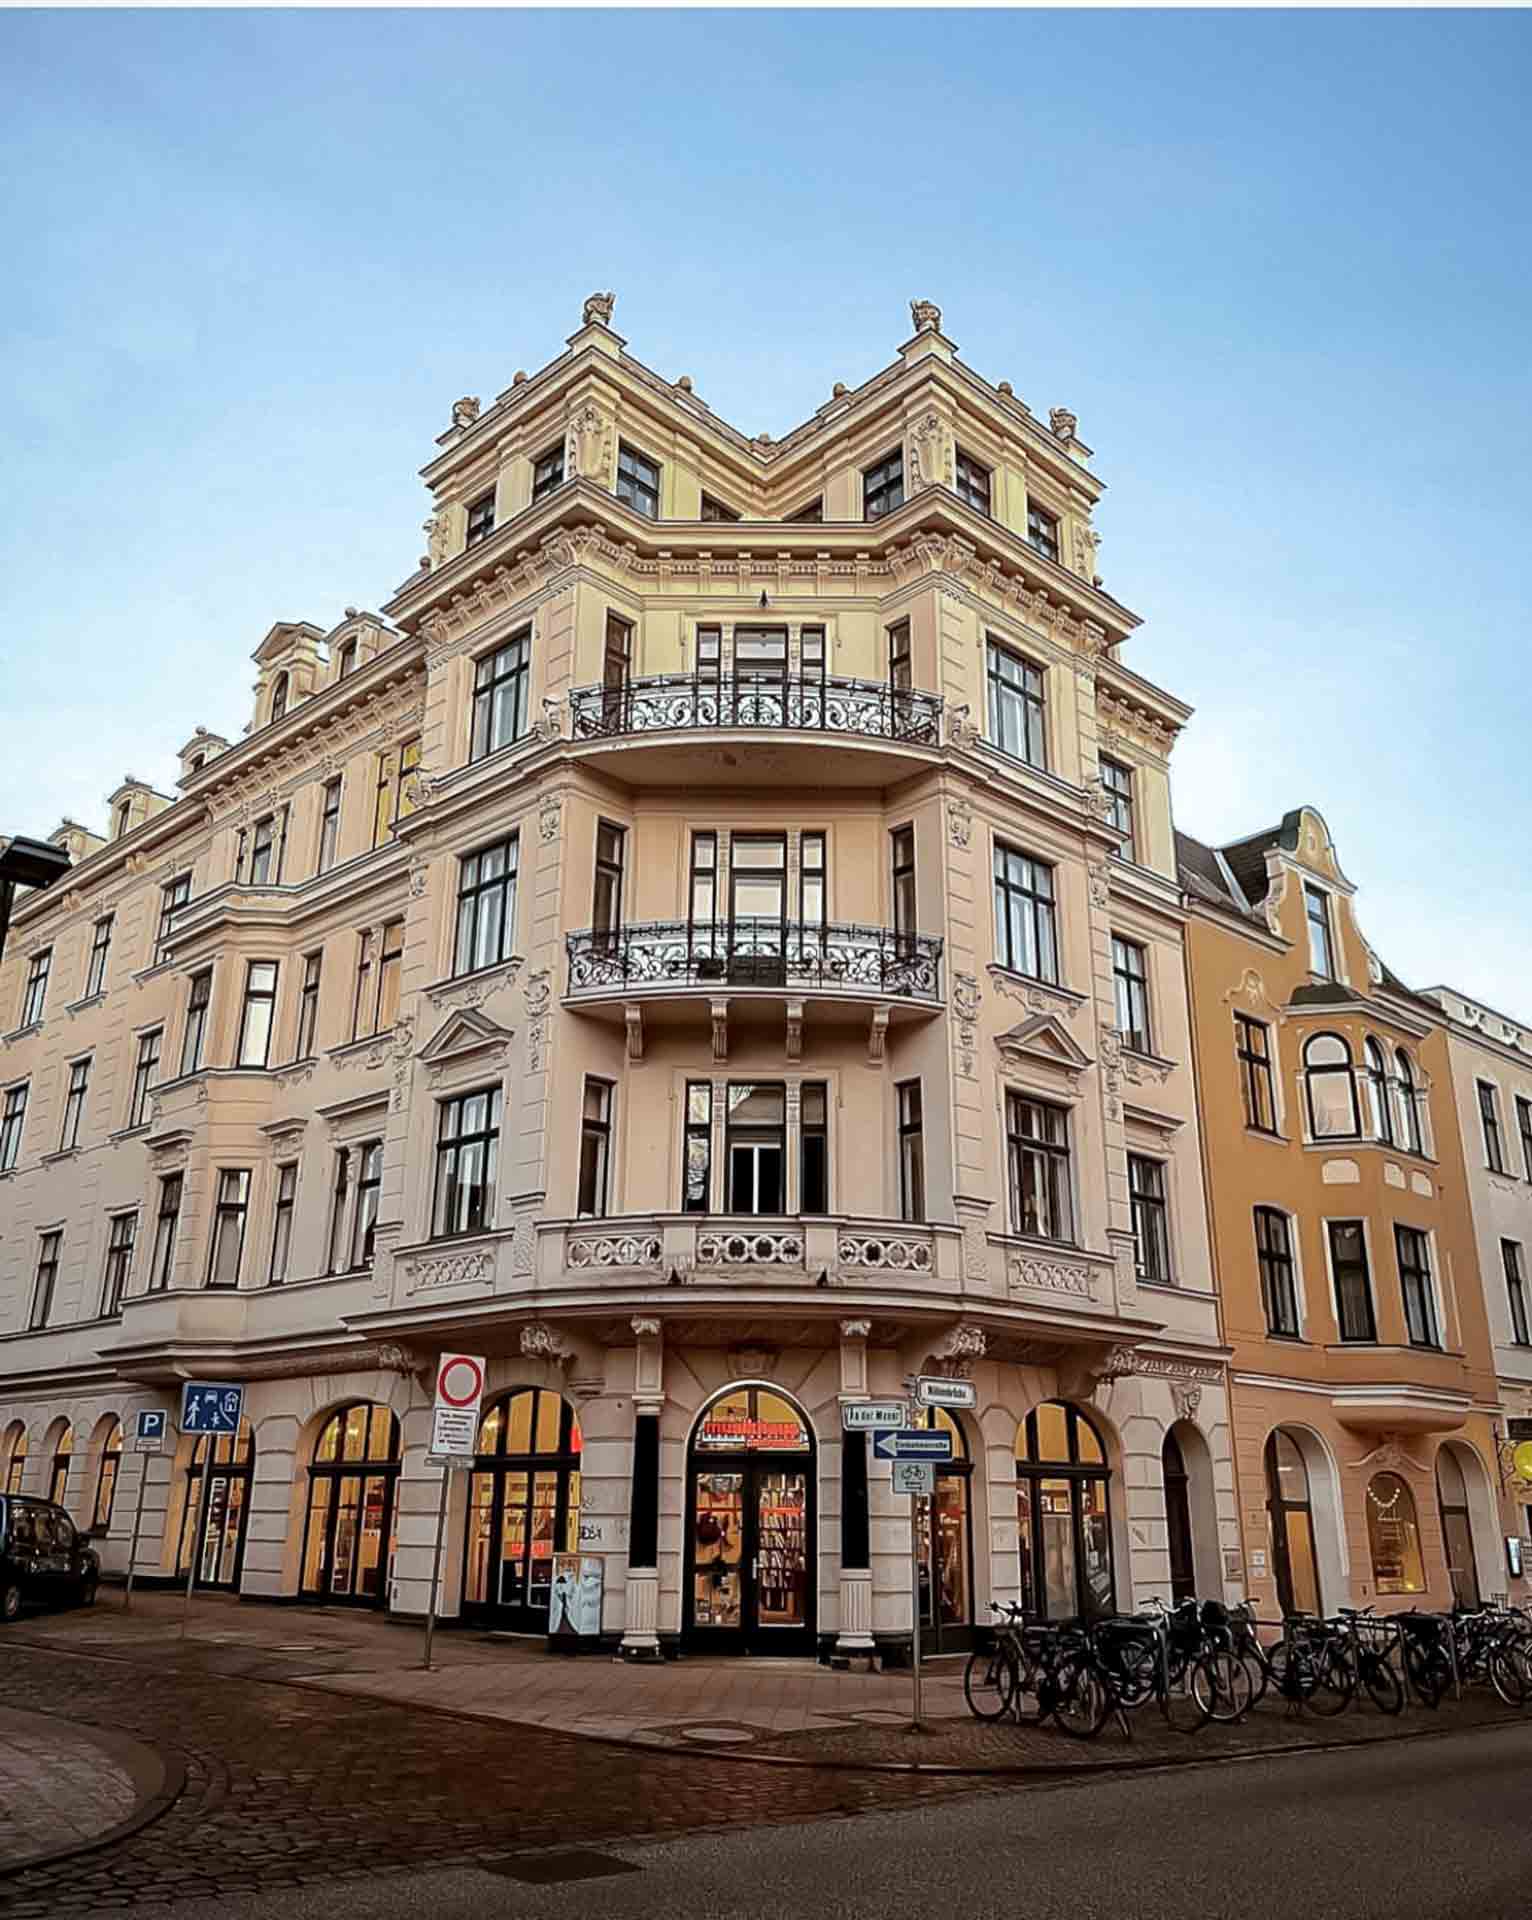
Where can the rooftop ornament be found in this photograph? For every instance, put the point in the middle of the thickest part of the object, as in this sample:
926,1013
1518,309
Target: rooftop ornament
598,309
465,411
926,315
1063,423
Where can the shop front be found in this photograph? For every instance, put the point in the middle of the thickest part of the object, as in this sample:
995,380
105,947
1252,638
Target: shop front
216,1508
348,1544
523,1509
946,1544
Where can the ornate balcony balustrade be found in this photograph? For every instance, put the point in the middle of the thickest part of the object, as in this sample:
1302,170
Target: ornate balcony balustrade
818,704
789,956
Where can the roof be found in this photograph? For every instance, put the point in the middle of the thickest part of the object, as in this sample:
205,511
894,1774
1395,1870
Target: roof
1204,875
1247,862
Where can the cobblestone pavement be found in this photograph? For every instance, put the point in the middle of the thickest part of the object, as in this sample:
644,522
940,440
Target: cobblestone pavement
58,1787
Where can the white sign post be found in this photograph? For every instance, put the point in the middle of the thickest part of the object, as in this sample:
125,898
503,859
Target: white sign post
915,1479
454,1435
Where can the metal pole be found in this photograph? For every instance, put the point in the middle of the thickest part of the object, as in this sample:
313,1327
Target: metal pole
915,1604
138,1514
1452,1648
436,1562
196,1539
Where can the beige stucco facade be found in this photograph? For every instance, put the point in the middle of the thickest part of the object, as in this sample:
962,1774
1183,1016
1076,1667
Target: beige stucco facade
756,776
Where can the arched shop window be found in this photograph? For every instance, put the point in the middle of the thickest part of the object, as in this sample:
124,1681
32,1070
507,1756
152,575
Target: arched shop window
58,1476
348,1538
1064,1514
1457,1528
106,1479
1393,1536
523,1508
946,1566
15,1457
750,1554
217,1507
1290,1509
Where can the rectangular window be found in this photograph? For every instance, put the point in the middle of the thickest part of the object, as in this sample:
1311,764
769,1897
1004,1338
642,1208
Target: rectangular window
481,519
1353,1282
638,481
1316,907
1279,1283
346,660
883,486
13,1122
258,1013
1026,933
1151,1225
47,1279
548,472
1489,1120
100,946
606,899
1037,1151
1117,780
1415,1282
398,791
595,1148
369,1182
697,1152
119,1263
811,515
500,683
709,659
1252,1046
972,483
814,1147
340,1196
912,1152
36,991
811,672
813,892
467,1147
173,896
1130,984
329,825
1524,1128
165,1223
74,1103
362,1008
1017,714
390,964
900,671
282,1224
1042,531
308,1007
716,510
702,896
901,844
1516,1291
229,1215
146,1072
267,846
755,1151
486,906
198,1001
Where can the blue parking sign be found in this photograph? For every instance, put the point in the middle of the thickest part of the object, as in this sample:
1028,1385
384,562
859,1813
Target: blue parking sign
210,1406
150,1434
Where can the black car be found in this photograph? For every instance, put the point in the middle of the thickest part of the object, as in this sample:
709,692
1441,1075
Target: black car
43,1557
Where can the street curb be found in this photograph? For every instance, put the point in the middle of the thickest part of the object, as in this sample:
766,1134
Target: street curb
159,1777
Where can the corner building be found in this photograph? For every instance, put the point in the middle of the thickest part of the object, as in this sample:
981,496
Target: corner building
712,946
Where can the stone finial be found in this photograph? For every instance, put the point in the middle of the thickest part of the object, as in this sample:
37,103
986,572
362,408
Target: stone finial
839,390
1006,388
465,411
1063,423
685,383
926,315
598,309
519,377
763,439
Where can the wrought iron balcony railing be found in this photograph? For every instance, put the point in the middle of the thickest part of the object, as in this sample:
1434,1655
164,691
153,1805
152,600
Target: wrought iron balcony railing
816,704
787,955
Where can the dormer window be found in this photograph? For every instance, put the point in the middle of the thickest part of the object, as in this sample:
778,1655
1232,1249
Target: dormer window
1043,531
1316,908
346,659
548,472
883,486
481,518
973,483
195,763
638,481
716,510
279,696
124,808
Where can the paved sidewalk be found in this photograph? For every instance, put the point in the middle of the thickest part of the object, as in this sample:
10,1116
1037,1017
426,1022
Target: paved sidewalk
63,1786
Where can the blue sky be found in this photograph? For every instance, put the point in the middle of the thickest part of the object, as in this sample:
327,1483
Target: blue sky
1279,264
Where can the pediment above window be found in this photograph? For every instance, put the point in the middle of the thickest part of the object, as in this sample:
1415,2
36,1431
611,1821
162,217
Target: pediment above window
466,1037
1043,1041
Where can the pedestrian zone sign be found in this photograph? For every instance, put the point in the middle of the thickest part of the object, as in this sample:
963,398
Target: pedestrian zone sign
209,1406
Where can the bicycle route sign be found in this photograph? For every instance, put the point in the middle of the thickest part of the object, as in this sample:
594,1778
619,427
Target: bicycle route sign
209,1406
914,1476
873,1416
912,1444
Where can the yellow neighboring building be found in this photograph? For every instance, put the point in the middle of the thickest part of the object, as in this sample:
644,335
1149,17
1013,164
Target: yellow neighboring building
1363,1380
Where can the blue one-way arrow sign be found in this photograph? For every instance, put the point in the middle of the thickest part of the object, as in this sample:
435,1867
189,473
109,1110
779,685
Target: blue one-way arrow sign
912,1444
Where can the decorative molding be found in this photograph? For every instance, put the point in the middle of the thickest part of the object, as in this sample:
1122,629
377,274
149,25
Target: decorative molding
614,1250
597,311
540,1342
752,1363
959,822
523,1249
877,1034
475,988
1038,996
855,1329
1100,883
1162,1366
926,315
884,1253
550,812
745,1249
1044,1041
633,1026
538,990
1186,1400
718,1013
451,1270
1028,1273
795,1029
645,1328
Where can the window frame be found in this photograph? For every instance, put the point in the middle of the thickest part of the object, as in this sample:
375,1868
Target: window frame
1331,1070
883,479
163,1253
76,1099
306,1039
225,1211
472,904
754,1134
1358,1331
697,1127
1130,993
174,894
145,1065
121,1246
973,493
252,1002
596,1130
1042,534
13,1123
365,1205
96,962
1422,1273
34,992
507,666
45,1278
393,800
1524,1128
1276,1266
901,664
283,1212
909,1112
1055,1156
1150,1204
1039,911
1516,1292
479,521
812,1133
1253,1067
1320,926
631,487
450,1149
810,514
1489,1126
1117,782
903,886
614,870
1016,690
716,510
336,1239
329,823
549,481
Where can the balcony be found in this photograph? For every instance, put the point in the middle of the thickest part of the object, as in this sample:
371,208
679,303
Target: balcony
779,721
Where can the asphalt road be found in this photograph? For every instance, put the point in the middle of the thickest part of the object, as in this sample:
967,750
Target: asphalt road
1434,1829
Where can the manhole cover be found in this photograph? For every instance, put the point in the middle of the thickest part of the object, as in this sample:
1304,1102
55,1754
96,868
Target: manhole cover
547,1869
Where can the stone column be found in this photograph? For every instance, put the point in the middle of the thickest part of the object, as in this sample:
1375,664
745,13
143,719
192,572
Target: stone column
269,1525
640,1639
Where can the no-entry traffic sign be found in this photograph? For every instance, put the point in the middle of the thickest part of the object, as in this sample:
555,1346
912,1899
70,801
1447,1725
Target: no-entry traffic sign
455,1416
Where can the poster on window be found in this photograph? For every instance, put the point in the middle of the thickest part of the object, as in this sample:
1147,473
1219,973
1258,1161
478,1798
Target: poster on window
574,1605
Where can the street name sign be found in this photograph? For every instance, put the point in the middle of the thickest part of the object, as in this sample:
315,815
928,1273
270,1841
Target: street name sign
455,1415
914,1476
869,1416
912,1445
149,1434
209,1406
932,1390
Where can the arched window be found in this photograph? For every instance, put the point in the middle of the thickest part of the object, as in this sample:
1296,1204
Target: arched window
106,1479
216,1508
279,696
1065,1534
1331,1083
58,1476
348,1541
15,1457
1178,1522
1291,1511
1381,1116
1393,1536
1409,1103
1457,1528
523,1508
946,1548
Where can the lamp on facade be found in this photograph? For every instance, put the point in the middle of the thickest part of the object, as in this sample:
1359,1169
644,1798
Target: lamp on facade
25,863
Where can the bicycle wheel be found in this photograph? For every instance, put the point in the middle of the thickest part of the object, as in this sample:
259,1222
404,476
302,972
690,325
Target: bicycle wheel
990,1682
1029,1703
1222,1686
1508,1675
1428,1674
1334,1681
1079,1699
1182,1705
1384,1687
1293,1670
1257,1667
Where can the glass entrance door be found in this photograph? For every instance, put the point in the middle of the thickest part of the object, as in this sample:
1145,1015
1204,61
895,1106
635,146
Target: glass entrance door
760,676
758,909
